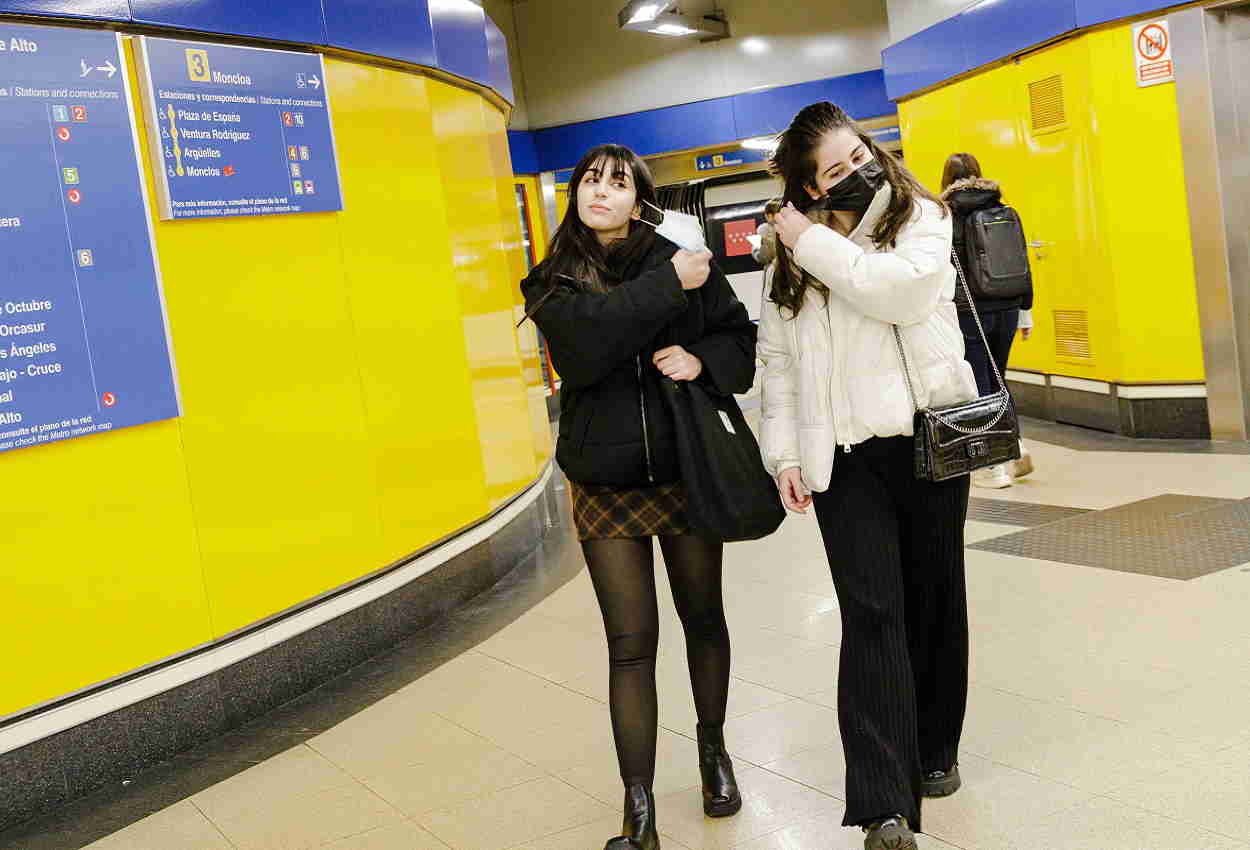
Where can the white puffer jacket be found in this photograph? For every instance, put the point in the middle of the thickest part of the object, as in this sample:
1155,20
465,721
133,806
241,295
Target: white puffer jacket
832,374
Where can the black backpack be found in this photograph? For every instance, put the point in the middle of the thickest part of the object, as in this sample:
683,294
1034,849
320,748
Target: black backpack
998,259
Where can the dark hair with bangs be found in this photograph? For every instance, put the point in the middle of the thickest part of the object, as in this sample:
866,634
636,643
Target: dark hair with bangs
575,249
795,161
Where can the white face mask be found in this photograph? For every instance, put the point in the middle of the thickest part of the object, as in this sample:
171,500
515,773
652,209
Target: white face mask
681,229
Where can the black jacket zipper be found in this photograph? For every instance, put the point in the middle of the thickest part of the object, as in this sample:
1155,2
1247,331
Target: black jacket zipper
642,405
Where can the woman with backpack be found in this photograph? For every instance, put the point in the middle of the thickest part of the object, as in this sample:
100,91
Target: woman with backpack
622,309
865,252
975,202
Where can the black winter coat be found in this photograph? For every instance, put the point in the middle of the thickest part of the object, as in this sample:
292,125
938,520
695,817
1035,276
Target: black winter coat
602,344
965,197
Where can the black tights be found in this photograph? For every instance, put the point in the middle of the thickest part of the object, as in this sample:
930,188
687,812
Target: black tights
623,572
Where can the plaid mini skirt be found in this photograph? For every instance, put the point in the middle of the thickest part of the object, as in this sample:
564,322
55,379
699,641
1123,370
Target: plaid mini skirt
601,512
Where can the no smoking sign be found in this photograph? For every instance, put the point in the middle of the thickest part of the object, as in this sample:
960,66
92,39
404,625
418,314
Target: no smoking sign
1152,53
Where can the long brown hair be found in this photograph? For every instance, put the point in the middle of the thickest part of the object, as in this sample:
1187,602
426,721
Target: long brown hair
575,253
795,162
960,166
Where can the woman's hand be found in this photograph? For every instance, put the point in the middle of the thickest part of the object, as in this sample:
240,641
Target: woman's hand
791,224
693,267
678,363
794,494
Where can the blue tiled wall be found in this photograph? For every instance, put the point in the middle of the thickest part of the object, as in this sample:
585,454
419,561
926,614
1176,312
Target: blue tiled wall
696,125
397,29
454,35
497,59
993,30
768,112
1092,12
524,153
109,10
298,21
460,38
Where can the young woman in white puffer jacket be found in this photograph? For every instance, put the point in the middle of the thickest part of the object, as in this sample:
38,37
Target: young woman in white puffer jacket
866,247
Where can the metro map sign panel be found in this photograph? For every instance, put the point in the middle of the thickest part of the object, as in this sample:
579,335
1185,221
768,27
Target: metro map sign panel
238,131
84,345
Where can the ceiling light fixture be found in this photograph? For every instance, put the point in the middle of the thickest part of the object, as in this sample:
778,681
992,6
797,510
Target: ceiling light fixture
662,22
642,11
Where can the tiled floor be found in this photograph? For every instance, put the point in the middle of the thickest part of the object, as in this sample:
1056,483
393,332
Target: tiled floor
1109,710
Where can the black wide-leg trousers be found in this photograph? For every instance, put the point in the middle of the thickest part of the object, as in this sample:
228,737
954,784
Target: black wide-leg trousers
896,551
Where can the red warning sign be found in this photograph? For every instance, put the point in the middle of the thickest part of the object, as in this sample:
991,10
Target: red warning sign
1152,42
736,233
1152,53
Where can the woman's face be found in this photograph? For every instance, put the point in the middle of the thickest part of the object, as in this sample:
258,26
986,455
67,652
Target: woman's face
607,199
840,152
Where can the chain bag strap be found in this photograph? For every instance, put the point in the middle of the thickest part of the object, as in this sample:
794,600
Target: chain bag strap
940,437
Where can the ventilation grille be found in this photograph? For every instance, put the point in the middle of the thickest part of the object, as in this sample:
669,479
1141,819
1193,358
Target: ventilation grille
1072,334
1046,105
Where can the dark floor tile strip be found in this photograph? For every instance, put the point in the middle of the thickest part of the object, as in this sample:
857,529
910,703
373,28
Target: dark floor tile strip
1023,514
1171,537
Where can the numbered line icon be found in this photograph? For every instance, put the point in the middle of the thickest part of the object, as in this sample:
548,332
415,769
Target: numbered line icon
304,153
295,170
299,187
197,66
79,113
70,175
85,258
60,113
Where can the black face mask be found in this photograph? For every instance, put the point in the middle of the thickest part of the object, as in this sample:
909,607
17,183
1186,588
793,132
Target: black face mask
856,191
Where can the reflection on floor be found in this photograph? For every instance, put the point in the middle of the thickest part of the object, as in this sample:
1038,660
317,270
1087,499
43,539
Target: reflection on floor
1110,707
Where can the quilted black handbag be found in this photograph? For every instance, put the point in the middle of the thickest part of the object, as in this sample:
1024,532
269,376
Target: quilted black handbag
730,496
960,438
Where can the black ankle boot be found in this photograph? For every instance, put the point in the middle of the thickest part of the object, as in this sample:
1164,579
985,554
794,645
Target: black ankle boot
720,789
639,828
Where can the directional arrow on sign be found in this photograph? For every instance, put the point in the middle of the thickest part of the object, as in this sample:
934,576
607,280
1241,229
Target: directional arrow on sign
107,68
316,83
86,69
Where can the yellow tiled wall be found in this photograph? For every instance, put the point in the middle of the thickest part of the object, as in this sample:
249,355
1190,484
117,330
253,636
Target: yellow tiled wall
1105,188
353,391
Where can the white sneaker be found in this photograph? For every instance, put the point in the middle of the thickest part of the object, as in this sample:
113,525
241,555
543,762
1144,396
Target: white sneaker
992,477
1023,466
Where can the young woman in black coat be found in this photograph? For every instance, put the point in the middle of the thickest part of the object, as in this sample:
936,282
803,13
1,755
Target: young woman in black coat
622,309
965,190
